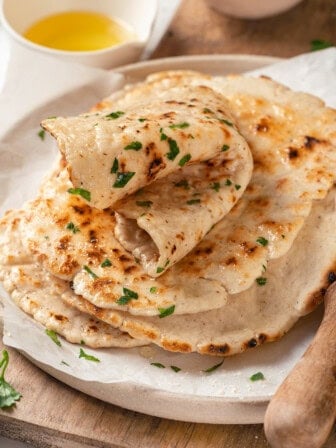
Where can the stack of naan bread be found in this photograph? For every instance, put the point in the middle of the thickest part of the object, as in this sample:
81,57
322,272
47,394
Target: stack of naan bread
193,212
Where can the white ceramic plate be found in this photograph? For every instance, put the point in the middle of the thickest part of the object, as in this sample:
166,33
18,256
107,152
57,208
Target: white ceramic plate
225,396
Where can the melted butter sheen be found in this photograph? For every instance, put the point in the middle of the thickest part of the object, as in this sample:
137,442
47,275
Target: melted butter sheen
78,31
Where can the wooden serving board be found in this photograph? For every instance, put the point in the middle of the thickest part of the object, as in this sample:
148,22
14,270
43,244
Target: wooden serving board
51,414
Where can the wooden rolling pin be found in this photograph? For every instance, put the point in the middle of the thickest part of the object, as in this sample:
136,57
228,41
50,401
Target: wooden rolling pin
303,410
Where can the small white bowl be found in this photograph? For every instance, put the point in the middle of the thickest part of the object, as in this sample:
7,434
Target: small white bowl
252,9
18,15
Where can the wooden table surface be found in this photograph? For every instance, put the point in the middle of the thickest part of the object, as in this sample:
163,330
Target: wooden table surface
70,419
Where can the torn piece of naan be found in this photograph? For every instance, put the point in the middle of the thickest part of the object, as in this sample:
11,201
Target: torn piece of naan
292,286
38,293
147,140
292,137
191,167
163,222
76,242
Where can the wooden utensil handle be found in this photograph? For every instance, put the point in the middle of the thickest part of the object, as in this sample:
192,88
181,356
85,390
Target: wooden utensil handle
303,410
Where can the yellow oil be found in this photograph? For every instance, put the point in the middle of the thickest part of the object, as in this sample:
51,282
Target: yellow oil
78,31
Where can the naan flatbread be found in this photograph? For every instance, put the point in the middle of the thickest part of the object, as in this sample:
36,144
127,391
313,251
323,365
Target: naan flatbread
295,285
38,294
166,137
262,226
292,137
76,242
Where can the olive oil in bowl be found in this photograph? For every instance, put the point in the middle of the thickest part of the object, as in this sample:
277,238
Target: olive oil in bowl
79,31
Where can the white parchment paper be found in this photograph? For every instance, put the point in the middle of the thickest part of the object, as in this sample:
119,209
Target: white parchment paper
48,87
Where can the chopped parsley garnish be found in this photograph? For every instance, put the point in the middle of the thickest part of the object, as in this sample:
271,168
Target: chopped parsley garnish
84,355
91,273
213,368
82,342
261,281
215,186
257,376
225,147
237,187
127,296
53,336
71,226
173,149
179,125
153,290
163,136
319,44
182,183
135,146
227,122
175,368
164,312
130,293
263,241
144,203
81,192
65,363
41,134
158,364
114,115
184,159
228,182
160,269
193,201
106,263
123,179
222,120
115,166
264,268
142,120
8,395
